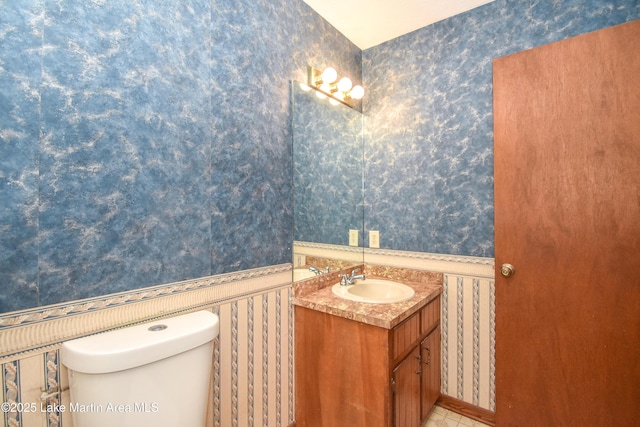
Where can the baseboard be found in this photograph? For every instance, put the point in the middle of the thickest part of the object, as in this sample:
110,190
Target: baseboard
468,410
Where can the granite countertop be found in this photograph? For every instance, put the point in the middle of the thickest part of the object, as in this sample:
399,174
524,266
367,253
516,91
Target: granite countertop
427,286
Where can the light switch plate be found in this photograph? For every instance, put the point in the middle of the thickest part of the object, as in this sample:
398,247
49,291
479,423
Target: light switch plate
374,239
353,237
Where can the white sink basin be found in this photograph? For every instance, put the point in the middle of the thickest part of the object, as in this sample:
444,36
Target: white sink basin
374,291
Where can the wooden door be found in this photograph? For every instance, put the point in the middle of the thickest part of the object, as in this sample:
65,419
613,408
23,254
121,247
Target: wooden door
430,371
567,216
406,396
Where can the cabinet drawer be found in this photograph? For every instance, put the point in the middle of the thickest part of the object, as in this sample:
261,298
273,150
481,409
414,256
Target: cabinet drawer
405,335
430,316
409,332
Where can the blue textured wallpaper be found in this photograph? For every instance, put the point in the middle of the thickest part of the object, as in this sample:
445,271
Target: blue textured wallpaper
429,122
145,141
327,169
20,79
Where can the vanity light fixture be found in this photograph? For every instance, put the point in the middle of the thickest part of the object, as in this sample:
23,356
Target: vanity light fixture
327,85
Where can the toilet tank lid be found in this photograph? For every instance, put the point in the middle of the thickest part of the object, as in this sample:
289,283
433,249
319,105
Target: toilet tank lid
140,344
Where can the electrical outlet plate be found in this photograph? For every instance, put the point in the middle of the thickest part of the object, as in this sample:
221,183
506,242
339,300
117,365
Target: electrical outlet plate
374,239
353,237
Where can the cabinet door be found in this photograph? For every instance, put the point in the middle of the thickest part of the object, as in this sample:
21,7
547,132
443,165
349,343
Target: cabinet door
430,348
406,396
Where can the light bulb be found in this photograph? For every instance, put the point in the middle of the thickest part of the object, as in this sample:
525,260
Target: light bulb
333,101
325,88
357,92
345,84
320,95
304,87
329,75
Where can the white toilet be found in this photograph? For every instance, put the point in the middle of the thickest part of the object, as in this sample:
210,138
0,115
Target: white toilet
154,374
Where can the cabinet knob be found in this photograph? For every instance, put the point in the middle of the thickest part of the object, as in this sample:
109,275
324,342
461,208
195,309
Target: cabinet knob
507,270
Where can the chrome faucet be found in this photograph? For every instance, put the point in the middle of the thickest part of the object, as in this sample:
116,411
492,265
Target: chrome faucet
348,280
317,271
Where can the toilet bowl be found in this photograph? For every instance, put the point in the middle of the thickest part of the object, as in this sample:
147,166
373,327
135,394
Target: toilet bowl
153,374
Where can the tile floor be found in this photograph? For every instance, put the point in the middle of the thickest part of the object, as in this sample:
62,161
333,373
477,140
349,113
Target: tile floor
441,417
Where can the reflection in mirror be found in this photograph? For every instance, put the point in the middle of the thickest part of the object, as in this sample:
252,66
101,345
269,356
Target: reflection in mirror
327,184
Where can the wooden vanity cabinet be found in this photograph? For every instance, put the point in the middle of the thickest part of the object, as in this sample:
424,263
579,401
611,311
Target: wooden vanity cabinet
353,374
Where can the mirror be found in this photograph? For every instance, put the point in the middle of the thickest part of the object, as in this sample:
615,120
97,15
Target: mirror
327,184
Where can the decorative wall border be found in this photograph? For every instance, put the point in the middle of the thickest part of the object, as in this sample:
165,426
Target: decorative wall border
36,329
50,312
431,256
440,263
327,246
324,250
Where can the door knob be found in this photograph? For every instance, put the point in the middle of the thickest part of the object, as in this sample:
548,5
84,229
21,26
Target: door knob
507,270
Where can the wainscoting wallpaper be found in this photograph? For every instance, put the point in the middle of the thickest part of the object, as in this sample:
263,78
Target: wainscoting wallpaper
144,142
253,354
429,121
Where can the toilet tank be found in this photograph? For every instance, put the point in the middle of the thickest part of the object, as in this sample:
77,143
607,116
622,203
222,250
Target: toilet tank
153,374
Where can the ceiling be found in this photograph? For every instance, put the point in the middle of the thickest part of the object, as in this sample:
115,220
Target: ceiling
368,23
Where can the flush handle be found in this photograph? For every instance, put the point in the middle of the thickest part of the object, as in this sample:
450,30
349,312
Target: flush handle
507,270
